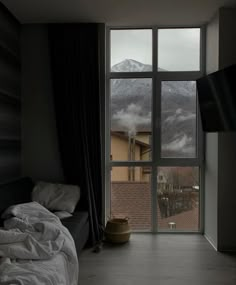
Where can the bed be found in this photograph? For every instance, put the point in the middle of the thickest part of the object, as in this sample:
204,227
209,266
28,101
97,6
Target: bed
36,246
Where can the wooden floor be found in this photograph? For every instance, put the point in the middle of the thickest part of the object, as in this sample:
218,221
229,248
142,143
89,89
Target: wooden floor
164,259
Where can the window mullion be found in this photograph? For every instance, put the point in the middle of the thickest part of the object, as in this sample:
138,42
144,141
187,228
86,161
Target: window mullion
123,75
155,132
107,210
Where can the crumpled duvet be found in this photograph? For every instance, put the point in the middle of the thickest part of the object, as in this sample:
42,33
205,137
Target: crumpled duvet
35,248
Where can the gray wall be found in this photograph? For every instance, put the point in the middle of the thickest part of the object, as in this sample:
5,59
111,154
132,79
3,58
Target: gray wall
211,189
227,191
220,189
211,151
10,101
227,44
40,154
227,143
212,45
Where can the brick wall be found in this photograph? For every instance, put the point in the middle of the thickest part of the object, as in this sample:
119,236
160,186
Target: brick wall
133,200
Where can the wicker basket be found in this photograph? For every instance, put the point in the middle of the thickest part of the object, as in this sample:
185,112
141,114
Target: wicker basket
117,231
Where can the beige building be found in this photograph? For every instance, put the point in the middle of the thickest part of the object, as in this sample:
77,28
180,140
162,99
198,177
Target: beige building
130,148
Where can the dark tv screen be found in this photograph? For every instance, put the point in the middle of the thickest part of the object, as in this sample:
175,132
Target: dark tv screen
217,100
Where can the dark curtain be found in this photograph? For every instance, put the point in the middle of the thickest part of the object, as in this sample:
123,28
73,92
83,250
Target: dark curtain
76,65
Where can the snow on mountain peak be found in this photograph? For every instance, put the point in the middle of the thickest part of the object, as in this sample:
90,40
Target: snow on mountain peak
130,65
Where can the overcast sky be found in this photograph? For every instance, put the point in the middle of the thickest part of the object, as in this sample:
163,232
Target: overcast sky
178,49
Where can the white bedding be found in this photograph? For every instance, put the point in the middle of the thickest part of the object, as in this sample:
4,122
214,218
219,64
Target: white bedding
35,248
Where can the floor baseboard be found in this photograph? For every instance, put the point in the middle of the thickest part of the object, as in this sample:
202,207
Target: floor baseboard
211,242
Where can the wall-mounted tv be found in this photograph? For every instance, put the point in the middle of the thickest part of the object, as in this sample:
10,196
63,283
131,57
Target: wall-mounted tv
217,100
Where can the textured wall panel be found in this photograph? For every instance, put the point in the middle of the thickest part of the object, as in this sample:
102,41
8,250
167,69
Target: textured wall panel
10,86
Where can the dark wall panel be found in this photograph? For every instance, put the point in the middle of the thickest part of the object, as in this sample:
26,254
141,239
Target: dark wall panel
40,151
10,103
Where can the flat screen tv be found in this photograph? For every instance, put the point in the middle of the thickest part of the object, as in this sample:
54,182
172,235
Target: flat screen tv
217,100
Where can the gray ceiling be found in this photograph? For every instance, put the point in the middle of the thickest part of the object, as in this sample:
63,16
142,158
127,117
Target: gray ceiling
117,12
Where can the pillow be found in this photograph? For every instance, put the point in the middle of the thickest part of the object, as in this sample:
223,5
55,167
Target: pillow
56,197
62,214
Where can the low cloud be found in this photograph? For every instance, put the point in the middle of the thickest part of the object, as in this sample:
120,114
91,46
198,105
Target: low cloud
182,144
180,116
131,118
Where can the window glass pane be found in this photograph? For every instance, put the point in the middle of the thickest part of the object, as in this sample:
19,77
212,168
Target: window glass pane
131,196
131,119
179,49
178,198
131,50
178,119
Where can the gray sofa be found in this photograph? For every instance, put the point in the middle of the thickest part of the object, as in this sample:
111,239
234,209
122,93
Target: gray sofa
19,191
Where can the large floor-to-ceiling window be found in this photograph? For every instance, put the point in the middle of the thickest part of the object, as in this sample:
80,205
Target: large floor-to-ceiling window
153,136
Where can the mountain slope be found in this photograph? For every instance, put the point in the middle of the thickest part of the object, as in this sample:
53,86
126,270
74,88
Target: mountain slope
130,65
131,109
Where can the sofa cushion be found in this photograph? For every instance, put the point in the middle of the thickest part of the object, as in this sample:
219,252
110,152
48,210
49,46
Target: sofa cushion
75,223
78,226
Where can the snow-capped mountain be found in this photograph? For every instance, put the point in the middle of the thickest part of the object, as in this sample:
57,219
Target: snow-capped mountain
130,65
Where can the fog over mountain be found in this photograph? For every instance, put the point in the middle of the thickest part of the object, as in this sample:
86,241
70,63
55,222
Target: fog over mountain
131,111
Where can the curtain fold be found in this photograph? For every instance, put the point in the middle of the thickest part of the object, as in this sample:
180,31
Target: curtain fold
75,65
